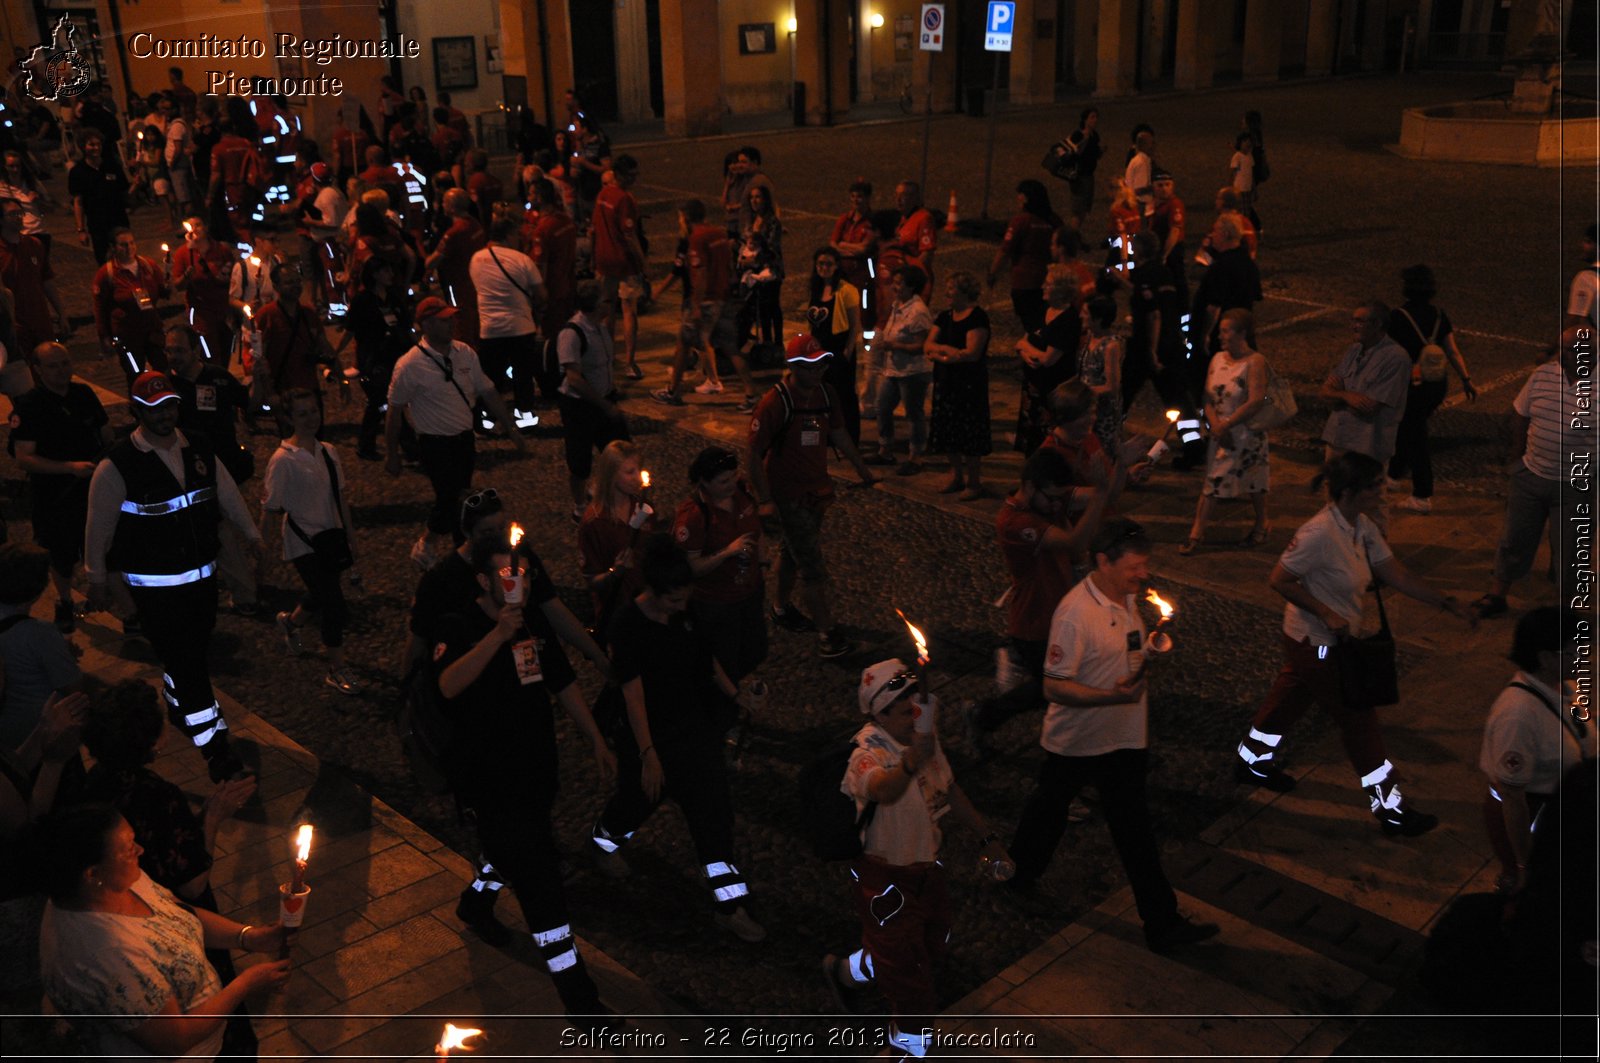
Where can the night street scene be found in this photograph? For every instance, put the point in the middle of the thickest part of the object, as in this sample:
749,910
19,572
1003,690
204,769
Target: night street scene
1016,529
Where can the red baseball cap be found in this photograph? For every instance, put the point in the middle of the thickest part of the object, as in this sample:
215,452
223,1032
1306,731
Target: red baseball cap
433,306
152,389
805,350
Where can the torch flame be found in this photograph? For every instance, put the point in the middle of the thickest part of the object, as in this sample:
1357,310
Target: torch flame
1160,603
1172,415
255,260
302,843
248,312
644,477
516,535
916,637
188,226
165,249
456,1036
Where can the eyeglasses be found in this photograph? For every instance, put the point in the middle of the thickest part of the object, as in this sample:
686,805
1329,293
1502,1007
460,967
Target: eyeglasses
480,498
894,686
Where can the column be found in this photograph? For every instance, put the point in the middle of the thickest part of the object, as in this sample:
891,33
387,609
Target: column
1321,45
822,58
1085,29
1156,19
1196,58
1033,53
536,43
1118,48
633,61
691,68
1263,40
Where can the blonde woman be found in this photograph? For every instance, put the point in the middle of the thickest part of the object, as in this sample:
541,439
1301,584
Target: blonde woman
616,521
1236,457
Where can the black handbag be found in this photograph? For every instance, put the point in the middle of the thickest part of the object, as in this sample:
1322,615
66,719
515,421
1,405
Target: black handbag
1368,675
333,545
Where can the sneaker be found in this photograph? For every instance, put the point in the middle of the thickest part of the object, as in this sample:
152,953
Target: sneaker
612,865
476,910
748,405
291,635
740,925
1413,504
832,644
1179,931
847,992
422,553
791,619
666,397
1263,774
1406,822
66,622
709,387
909,468
341,682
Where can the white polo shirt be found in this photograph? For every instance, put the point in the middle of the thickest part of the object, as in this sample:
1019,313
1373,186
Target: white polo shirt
1098,642
1334,561
422,383
1524,743
505,291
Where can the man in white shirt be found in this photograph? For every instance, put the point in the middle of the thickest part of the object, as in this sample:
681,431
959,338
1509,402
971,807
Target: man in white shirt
1137,175
1096,731
1367,388
155,503
900,773
1552,436
179,153
436,386
510,294
1583,296
589,410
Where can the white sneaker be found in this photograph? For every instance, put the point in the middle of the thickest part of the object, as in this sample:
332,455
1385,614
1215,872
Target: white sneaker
741,926
291,635
422,553
709,387
1414,504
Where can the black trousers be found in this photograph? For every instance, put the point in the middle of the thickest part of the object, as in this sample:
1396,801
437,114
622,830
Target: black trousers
1412,453
697,780
840,373
519,354
514,832
447,462
1119,776
178,622
324,596
1026,696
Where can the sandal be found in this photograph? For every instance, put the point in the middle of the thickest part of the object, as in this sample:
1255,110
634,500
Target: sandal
1489,606
1189,546
1257,536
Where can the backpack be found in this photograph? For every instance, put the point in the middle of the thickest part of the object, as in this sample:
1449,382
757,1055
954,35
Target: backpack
827,814
427,734
790,409
1431,359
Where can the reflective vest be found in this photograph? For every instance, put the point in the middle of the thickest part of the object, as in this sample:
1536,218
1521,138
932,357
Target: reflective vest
167,532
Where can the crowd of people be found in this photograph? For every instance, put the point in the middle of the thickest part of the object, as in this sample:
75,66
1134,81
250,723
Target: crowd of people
471,302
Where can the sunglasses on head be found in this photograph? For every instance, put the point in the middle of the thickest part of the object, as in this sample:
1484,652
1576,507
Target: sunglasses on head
895,686
480,498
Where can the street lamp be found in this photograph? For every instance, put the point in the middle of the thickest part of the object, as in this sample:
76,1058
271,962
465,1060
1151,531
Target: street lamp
874,24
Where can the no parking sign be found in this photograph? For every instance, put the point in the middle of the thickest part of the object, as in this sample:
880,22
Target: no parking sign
932,28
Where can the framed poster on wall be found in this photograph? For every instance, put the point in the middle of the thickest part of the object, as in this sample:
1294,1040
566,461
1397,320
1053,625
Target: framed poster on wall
455,63
757,38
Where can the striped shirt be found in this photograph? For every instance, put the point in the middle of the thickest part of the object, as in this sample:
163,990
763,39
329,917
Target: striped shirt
1553,406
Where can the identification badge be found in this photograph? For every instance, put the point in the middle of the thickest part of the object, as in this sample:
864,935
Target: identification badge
390,318
144,300
525,655
810,439
205,398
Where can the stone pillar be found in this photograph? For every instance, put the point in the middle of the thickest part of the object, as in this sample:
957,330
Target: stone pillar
1157,18
520,27
1118,48
1085,28
811,55
633,61
1321,45
1263,40
691,67
1196,58
1033,53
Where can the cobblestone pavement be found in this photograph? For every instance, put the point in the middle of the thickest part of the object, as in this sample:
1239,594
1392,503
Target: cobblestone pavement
1343,217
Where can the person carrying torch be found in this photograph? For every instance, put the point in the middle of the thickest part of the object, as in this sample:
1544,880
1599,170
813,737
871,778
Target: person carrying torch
1096,731
898,770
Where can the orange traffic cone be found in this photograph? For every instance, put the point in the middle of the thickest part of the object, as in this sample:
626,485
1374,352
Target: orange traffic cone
950,217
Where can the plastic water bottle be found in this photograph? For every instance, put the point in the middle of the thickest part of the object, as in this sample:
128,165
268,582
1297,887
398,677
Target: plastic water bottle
998,868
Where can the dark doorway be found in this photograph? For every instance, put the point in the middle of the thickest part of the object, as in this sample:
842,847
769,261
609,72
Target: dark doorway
594,58
652,23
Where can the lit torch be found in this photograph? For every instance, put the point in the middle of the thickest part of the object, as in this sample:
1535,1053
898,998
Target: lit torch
454,1037
188,227
644,479
511,581
1160,641
924,720
292,894
166,255
1159,451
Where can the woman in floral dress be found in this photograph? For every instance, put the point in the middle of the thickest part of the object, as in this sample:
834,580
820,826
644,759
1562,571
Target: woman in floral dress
1236,458
1100,367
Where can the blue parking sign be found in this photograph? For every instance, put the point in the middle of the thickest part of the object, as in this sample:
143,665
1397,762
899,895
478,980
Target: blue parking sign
1002,20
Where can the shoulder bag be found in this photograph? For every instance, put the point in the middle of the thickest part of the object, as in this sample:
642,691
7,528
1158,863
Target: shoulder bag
333,545
1280,407
1431,359
1368,674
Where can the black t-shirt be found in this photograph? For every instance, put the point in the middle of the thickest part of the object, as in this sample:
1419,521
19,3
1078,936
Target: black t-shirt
210,404
505,728
674,662
1064,332
949,331
1427,316
104,192
452,587
1231,281
63,428
1153,290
